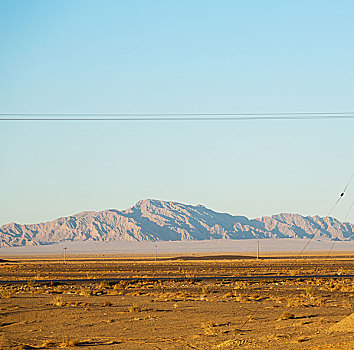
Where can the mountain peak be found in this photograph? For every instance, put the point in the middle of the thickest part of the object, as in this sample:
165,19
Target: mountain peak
152,219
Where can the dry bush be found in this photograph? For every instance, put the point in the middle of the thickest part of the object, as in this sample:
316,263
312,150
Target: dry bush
228,295
281,337
107,303
347,304
293,303
104,285
209,328
135,308
301,339
310,291
58,301
205,290
347,288
30,283
74,303
280,300
241,298
231,344
255,297
57,290
48,344
148,285
39,291
238,285
6,293
112,292
138,292
119,286
98,292
302,322
286,316
84,292
66,343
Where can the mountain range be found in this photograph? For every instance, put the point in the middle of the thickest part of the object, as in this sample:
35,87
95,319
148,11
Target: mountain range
154,220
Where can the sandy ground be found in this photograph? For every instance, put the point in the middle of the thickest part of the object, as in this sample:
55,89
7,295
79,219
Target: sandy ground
221,314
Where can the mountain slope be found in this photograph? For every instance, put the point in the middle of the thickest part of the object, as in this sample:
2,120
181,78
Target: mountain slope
151,220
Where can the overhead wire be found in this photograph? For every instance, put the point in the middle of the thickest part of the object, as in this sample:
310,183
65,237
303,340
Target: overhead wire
100,117
173,114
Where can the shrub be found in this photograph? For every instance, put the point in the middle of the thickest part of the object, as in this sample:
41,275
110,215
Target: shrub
135,308
287,315
209,328
66,343
58,301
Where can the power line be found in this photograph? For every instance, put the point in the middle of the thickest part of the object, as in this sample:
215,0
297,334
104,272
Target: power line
173,116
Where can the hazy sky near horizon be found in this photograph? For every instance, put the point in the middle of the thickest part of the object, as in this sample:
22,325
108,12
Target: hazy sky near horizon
200,56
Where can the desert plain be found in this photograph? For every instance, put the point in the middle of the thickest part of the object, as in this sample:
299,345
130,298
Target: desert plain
135,302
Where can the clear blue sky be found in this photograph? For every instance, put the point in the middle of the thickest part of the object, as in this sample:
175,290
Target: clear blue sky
153,56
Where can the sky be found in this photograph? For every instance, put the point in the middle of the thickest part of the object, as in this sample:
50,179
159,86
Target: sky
200,56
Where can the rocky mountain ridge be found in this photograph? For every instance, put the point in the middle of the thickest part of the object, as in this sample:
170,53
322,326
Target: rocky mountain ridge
153,220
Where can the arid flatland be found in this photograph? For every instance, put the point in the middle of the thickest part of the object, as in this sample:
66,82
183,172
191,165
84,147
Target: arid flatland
277,313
